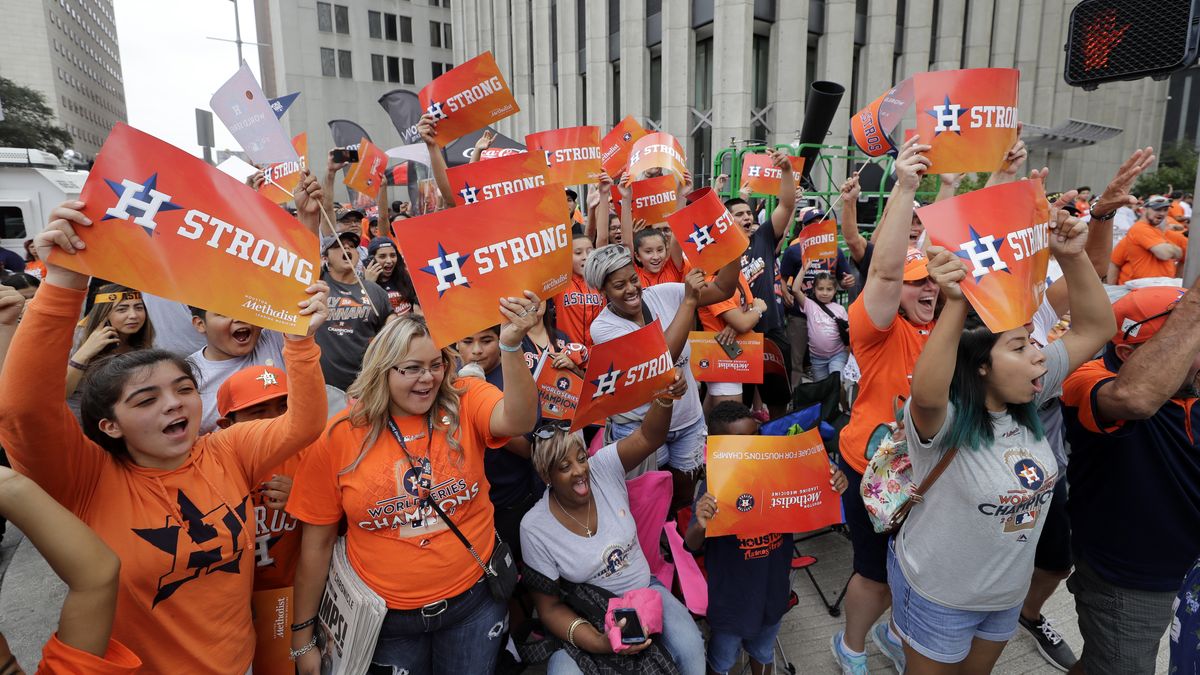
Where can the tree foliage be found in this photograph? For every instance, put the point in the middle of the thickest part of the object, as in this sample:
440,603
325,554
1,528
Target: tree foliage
28,121
1176,171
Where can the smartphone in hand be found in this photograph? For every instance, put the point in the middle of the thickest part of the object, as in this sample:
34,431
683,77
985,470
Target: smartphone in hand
632,632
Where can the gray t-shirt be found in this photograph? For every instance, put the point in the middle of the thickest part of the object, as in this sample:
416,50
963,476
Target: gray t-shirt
212,374
351,326
663,301
1051,411
612,558
970,544
173,329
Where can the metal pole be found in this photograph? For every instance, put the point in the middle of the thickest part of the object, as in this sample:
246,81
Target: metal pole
1191,267
237,27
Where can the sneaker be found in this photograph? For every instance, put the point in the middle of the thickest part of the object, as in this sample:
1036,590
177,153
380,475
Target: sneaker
892,649
1050,643
849,664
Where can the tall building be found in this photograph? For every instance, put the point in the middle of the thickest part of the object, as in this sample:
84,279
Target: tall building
708,71
342,56
67,50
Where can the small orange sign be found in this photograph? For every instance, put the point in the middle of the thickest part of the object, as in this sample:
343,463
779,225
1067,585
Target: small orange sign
657,151
769,484
366,176
655,198
558,390
573,154
617,144
463,260
968,116
272,613
623,374
282,178
759,172
710,363
818,243
499,177
709,236
467,98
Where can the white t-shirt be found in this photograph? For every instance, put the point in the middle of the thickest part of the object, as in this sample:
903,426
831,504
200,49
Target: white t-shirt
663,301
211,374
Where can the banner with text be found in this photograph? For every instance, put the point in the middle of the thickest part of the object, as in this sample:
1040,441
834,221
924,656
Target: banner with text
272,612
573,154
468,97
366,175
769,484
623,374
1003,234
558,390
760,174
167,223
246,112
710,362
655,198
660,151
818,243
463,260
968,116
707,233
499,177
872,126
617,144
282,178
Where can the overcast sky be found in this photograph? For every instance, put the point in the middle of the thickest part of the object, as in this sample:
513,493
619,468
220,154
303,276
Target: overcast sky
171,67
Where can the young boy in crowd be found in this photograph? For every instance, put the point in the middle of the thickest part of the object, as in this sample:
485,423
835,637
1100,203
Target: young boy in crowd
230,346
260,393
748,579
580,304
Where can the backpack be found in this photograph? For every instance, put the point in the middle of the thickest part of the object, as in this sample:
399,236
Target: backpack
888,489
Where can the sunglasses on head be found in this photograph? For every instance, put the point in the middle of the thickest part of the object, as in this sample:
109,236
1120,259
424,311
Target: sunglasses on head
551,429
1133,327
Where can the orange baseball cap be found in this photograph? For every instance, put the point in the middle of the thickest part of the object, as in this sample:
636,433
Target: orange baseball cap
250,386
915,265
1143,311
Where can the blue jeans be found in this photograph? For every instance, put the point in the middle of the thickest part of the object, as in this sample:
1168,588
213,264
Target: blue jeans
822,366
723,647
942,633
464,638
680,636
684,449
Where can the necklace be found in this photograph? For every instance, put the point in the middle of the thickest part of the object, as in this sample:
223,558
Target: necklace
568,514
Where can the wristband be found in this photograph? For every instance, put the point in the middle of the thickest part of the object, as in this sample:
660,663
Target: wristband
659,401
303,624
1110,216
571,631
506,348
77,365
294,654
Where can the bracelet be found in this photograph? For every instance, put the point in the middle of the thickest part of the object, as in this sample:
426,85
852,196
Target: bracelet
294,654
571,631
506,348
1111,214
303,624
77,365
659,401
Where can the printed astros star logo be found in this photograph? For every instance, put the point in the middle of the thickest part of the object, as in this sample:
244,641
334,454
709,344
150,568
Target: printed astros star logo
983,253
946,116
447,269
139,202
268,379
607,382
205,543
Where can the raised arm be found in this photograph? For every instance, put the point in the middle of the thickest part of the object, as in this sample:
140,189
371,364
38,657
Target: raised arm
1156,370
331,169
854,240
685,317
484,142
781,217
935,367
88,567
310,197
1010,166
721,288
516,413
312,571
427,128
11,304
947,185
881,292
649,437
603,206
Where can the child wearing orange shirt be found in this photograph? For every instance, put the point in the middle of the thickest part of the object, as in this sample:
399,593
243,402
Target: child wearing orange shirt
172,504
728,319
579,305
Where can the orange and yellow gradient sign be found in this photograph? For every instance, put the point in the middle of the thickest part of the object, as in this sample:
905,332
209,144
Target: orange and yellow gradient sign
467,98
1003,234
617,144
499,177
769,484
573,154
282,178
710,362
968,116
366,176
759,172
660,151
272,612
707,233
623,374
655,198
167,223
818,242
463,260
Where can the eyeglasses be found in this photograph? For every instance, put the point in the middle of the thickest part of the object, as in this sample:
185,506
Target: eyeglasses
551,429
413,372
1134,326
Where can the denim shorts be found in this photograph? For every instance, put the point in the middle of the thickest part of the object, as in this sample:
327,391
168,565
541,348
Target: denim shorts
942,633
684,449
723,647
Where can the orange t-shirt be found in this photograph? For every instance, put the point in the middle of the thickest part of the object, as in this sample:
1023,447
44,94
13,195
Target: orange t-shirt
710,315
59,658
276,537
184,536
886,358
576,309
668,274
402,550
1132,254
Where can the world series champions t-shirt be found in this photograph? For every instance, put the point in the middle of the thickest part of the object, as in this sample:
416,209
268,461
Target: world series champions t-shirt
352,323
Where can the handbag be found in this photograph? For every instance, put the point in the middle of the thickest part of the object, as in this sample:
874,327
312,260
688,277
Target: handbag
500,570
888,490
843,325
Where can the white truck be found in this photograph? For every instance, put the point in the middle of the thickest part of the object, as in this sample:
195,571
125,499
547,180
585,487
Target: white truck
32,183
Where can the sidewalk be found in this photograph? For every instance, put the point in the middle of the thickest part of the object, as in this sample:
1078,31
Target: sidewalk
30,598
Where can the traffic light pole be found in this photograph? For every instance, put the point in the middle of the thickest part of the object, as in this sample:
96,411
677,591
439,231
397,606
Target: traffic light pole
1191,267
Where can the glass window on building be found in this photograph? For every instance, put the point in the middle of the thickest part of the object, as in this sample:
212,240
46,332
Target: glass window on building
377,68
375,25
393,68
655,111
435,33
446,36
389,26
410,71
702,104
406,29
341,19
758,88
328,62
616,93
324,17
344,65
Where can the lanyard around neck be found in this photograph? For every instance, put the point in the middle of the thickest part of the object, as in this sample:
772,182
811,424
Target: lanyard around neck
426,479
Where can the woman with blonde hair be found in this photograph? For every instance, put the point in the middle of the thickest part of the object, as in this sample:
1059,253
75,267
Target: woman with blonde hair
398,464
